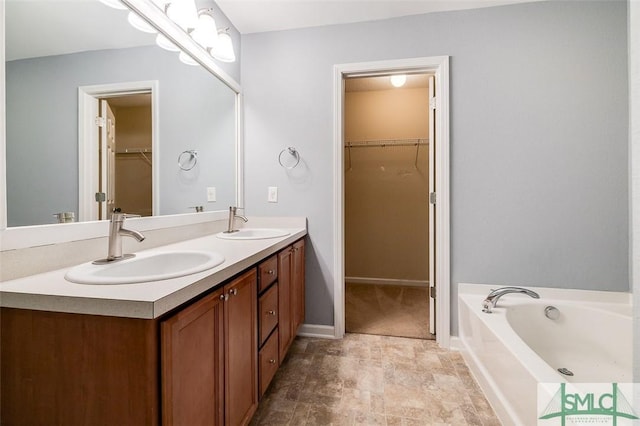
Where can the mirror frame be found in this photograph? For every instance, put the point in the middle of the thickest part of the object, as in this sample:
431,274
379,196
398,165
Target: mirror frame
39,235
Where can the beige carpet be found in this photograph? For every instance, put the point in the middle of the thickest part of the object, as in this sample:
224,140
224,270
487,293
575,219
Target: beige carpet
387,310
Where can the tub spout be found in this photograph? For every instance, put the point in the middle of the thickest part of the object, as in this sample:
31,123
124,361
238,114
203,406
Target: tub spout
490,302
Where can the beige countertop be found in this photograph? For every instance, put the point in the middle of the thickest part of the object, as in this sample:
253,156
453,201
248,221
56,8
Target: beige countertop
50,291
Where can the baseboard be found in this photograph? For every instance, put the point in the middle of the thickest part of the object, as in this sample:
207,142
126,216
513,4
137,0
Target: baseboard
455,344
316,330
387,281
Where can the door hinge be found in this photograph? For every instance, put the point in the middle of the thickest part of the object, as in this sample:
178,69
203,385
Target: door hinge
100,121
432,292
432,198
432,102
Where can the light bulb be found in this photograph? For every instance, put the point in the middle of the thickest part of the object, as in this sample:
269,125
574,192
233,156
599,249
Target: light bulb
140,24
184,13
166,44
223,50
398,80
116,4
206,32
186,59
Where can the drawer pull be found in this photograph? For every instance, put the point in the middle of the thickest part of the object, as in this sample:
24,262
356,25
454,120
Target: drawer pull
272,361
271,312
233,291
224,297
271,272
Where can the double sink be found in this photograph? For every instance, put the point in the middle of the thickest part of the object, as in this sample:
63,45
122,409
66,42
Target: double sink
162,265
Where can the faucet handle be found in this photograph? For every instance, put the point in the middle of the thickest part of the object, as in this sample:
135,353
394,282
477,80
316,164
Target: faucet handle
119,217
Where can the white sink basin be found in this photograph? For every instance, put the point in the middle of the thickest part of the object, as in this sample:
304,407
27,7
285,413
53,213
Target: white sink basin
145,267
253,234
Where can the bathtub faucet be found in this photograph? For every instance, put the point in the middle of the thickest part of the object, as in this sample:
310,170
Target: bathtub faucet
490,302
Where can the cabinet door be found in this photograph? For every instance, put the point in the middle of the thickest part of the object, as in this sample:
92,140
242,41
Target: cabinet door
285,257
192,364
297,287
241,349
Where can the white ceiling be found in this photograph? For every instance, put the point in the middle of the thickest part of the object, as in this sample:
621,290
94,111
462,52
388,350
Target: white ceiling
55,27
252,16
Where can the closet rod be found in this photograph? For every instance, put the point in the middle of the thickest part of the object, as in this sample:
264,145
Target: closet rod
133,150
386,142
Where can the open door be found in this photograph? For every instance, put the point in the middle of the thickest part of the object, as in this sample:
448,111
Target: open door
107,124
432,206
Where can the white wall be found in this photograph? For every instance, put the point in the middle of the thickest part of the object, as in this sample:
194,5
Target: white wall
634,113
539,138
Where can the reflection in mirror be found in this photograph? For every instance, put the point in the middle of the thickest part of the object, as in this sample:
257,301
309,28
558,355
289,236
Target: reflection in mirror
87,44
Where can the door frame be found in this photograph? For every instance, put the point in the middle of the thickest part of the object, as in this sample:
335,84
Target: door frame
88,170
439,66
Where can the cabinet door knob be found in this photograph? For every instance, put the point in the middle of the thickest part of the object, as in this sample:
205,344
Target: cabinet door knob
270,272
272,361
224,296
233,291
271,312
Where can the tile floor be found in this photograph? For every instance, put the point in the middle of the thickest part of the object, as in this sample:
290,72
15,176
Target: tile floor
373,380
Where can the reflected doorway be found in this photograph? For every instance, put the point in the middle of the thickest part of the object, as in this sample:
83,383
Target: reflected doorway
125,155
117,149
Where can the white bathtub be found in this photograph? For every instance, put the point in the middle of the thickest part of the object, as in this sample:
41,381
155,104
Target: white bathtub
516,347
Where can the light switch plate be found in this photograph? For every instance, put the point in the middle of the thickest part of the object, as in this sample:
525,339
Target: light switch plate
272,196
211,194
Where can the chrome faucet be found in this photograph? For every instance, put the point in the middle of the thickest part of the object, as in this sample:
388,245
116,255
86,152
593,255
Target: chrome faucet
490,302
232,216
116,232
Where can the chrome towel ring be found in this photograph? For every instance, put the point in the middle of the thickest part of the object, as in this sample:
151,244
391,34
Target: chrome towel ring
293,153
187,160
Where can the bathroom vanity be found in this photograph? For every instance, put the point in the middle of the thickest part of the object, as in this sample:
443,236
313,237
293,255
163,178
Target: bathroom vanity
202,350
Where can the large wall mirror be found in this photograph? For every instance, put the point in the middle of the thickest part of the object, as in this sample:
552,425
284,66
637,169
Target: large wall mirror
75,70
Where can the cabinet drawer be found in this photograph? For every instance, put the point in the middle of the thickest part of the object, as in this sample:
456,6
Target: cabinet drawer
269,362
268,313
267,273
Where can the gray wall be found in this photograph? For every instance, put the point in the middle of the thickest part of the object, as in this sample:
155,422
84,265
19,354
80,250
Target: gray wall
197,111
539,138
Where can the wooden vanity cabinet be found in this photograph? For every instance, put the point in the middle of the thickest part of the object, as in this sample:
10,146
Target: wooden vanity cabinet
193,363
206,363
209,358
71,369
291,294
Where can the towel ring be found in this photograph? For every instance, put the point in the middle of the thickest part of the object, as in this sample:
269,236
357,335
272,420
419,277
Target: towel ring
294,153
187,160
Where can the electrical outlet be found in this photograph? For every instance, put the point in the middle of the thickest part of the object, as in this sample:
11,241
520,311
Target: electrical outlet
272,196
211,194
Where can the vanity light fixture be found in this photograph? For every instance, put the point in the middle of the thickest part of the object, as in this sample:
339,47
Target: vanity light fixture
140,24
206,31
186,59
166,44
116,4
184,13
398,80
199,24
223,50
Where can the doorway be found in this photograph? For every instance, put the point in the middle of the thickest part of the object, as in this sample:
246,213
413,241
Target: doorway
386,204
118,140
125,155
439,236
